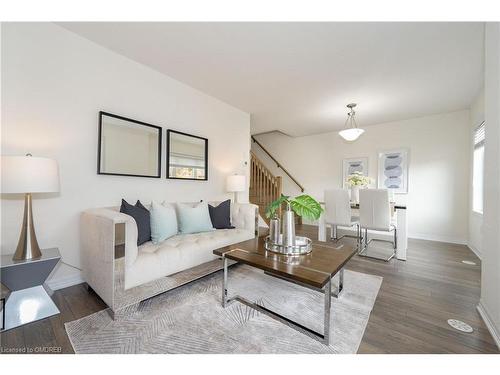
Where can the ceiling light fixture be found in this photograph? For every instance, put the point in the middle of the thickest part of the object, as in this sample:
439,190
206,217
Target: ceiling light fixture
352,132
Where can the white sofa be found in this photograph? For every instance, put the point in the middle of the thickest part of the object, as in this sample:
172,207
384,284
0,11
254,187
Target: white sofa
144,265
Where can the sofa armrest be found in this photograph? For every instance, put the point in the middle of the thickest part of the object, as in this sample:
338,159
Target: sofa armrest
245,216
115,217
98,228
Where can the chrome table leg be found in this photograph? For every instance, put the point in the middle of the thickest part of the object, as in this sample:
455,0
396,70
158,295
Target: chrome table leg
327,291
224,284
336,292
328,305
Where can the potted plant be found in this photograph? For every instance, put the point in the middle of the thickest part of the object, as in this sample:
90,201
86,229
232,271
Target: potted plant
356,181
303,205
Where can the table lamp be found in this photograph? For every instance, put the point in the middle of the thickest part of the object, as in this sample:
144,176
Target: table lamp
234,184
28,175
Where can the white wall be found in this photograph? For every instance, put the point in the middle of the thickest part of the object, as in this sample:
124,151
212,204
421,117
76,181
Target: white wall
475,218
489,305
53,85
438,195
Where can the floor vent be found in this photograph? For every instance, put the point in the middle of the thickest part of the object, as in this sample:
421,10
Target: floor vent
459,325
471,263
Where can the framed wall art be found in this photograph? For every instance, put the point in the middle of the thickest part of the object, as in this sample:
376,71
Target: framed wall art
393,170
351,165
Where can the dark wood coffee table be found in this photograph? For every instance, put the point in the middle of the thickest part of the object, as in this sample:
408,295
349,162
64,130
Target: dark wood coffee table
314,271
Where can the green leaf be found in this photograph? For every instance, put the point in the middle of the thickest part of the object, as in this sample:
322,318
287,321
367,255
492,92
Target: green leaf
307,207
274,206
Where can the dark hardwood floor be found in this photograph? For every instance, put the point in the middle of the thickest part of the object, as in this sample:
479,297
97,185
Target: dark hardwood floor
415,300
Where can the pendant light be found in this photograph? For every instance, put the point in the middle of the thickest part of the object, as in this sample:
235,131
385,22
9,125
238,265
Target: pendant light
352,132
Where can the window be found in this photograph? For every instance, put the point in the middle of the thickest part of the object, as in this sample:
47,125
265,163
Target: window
478,169
187,166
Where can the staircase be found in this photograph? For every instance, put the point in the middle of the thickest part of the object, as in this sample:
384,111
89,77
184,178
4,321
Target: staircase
264,186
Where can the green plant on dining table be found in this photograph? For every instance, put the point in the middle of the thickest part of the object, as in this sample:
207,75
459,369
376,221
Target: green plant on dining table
303,205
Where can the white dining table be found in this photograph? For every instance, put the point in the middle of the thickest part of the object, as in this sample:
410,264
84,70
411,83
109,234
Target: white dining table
401,225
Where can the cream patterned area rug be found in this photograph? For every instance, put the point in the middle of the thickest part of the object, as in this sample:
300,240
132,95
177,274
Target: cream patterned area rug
190,319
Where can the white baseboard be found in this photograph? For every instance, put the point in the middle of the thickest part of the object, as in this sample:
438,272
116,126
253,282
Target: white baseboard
431,237
474,250
65,281
419,236
495,333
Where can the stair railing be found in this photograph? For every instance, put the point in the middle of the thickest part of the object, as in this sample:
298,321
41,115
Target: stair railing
278,164
264,186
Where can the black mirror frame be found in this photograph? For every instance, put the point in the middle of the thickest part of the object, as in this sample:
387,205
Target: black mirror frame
168,156
159,128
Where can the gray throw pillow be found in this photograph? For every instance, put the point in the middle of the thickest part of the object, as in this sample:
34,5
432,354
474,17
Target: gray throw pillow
142,219
221,215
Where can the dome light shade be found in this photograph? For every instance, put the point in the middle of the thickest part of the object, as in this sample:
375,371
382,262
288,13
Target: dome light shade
351,134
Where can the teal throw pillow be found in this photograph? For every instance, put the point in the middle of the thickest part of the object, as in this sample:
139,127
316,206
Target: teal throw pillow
194,219
163,222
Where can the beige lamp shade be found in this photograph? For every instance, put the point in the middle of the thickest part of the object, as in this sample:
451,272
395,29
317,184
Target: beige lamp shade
235,183
28,174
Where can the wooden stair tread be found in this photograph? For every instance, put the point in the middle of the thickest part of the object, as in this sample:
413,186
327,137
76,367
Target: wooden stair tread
264,187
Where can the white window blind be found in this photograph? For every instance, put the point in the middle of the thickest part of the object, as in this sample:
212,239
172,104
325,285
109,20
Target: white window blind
478,169
479,136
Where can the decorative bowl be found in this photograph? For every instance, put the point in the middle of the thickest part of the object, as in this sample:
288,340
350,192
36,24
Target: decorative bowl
303,245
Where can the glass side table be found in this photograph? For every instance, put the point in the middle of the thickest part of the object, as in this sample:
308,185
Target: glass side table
28,300
4,295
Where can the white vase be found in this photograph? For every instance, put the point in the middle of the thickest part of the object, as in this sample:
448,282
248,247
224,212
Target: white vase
355,194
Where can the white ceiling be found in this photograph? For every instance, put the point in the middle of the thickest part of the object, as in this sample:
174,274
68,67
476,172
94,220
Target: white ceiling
298,77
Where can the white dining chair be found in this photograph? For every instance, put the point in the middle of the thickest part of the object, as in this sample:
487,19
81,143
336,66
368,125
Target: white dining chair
375,214
338,213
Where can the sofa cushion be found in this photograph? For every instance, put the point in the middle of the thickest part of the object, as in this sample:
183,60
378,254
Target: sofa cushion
163,222
221,215
202,241
142,219
179,253
194,219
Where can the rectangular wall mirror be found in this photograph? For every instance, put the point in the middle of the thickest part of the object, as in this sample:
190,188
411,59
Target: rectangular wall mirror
128,147
187,156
